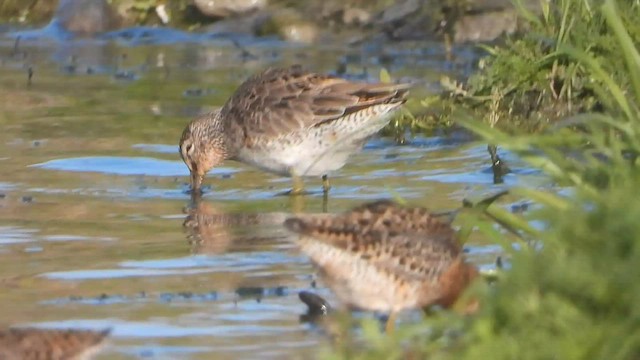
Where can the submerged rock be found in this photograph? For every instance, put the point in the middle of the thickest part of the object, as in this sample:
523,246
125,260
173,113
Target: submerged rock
301,32
408,20
225,8
245,25
356,16
286,24
85,17
400,10
290,26
486,26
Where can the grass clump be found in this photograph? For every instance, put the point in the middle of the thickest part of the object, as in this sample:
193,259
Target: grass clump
573,293
529,82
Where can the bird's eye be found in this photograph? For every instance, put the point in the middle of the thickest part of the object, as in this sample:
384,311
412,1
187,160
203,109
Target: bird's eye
186,151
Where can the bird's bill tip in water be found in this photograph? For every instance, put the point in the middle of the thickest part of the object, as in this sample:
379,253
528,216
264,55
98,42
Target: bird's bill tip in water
196,182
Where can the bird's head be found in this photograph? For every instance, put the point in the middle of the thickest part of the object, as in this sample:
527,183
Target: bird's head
202,146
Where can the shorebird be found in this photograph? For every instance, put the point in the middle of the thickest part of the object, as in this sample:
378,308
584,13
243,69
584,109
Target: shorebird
50,344
386,258
290,122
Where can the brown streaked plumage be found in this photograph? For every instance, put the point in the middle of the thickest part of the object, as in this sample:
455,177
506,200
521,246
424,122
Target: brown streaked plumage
291,122
384,257
50,344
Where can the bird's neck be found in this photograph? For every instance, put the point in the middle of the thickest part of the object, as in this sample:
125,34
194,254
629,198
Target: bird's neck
234,140
219,136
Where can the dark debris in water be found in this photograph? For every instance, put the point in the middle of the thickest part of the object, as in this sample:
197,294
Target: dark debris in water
107,299
197,92
245,54
498,166
316,304
188,296
142,35
29,75
125,75
255,291
520,208
317,307
170,297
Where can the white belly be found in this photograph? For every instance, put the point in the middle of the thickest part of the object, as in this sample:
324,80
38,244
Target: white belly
300,159
316,151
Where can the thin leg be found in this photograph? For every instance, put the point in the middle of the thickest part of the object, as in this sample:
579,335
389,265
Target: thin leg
391,323
297,204
298,185
448,47
325,203
325,184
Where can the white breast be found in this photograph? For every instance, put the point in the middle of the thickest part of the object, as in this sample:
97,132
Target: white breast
318,150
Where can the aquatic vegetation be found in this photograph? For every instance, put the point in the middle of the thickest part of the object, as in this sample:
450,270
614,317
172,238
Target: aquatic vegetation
573,293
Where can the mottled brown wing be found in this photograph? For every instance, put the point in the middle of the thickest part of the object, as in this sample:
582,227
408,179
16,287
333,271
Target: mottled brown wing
417,256
280,101
387,215
379,233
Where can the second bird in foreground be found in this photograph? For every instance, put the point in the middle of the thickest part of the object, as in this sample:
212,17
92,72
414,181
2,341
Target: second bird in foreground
290,122
384,257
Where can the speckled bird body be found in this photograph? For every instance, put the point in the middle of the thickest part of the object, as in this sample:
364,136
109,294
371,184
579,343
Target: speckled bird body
290,122
316,151
384,257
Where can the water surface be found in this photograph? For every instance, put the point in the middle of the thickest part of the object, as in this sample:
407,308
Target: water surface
94,226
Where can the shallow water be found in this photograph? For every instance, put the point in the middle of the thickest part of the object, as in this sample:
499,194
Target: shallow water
94,226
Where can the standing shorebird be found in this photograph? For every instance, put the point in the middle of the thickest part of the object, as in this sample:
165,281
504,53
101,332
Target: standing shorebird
50,344
386,258
290,122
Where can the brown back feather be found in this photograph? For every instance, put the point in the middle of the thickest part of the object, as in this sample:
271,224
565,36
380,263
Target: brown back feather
279,101
408,241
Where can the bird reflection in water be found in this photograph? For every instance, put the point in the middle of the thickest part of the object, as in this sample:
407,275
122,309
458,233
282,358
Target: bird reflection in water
211,230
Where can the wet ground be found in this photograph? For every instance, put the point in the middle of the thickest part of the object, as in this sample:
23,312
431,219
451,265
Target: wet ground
94,226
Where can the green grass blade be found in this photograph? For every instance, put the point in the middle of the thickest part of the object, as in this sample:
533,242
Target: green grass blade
545,198
601,75
629,50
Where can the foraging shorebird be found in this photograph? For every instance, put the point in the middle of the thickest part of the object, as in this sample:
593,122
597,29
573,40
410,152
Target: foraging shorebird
290,122
387,258
50,344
